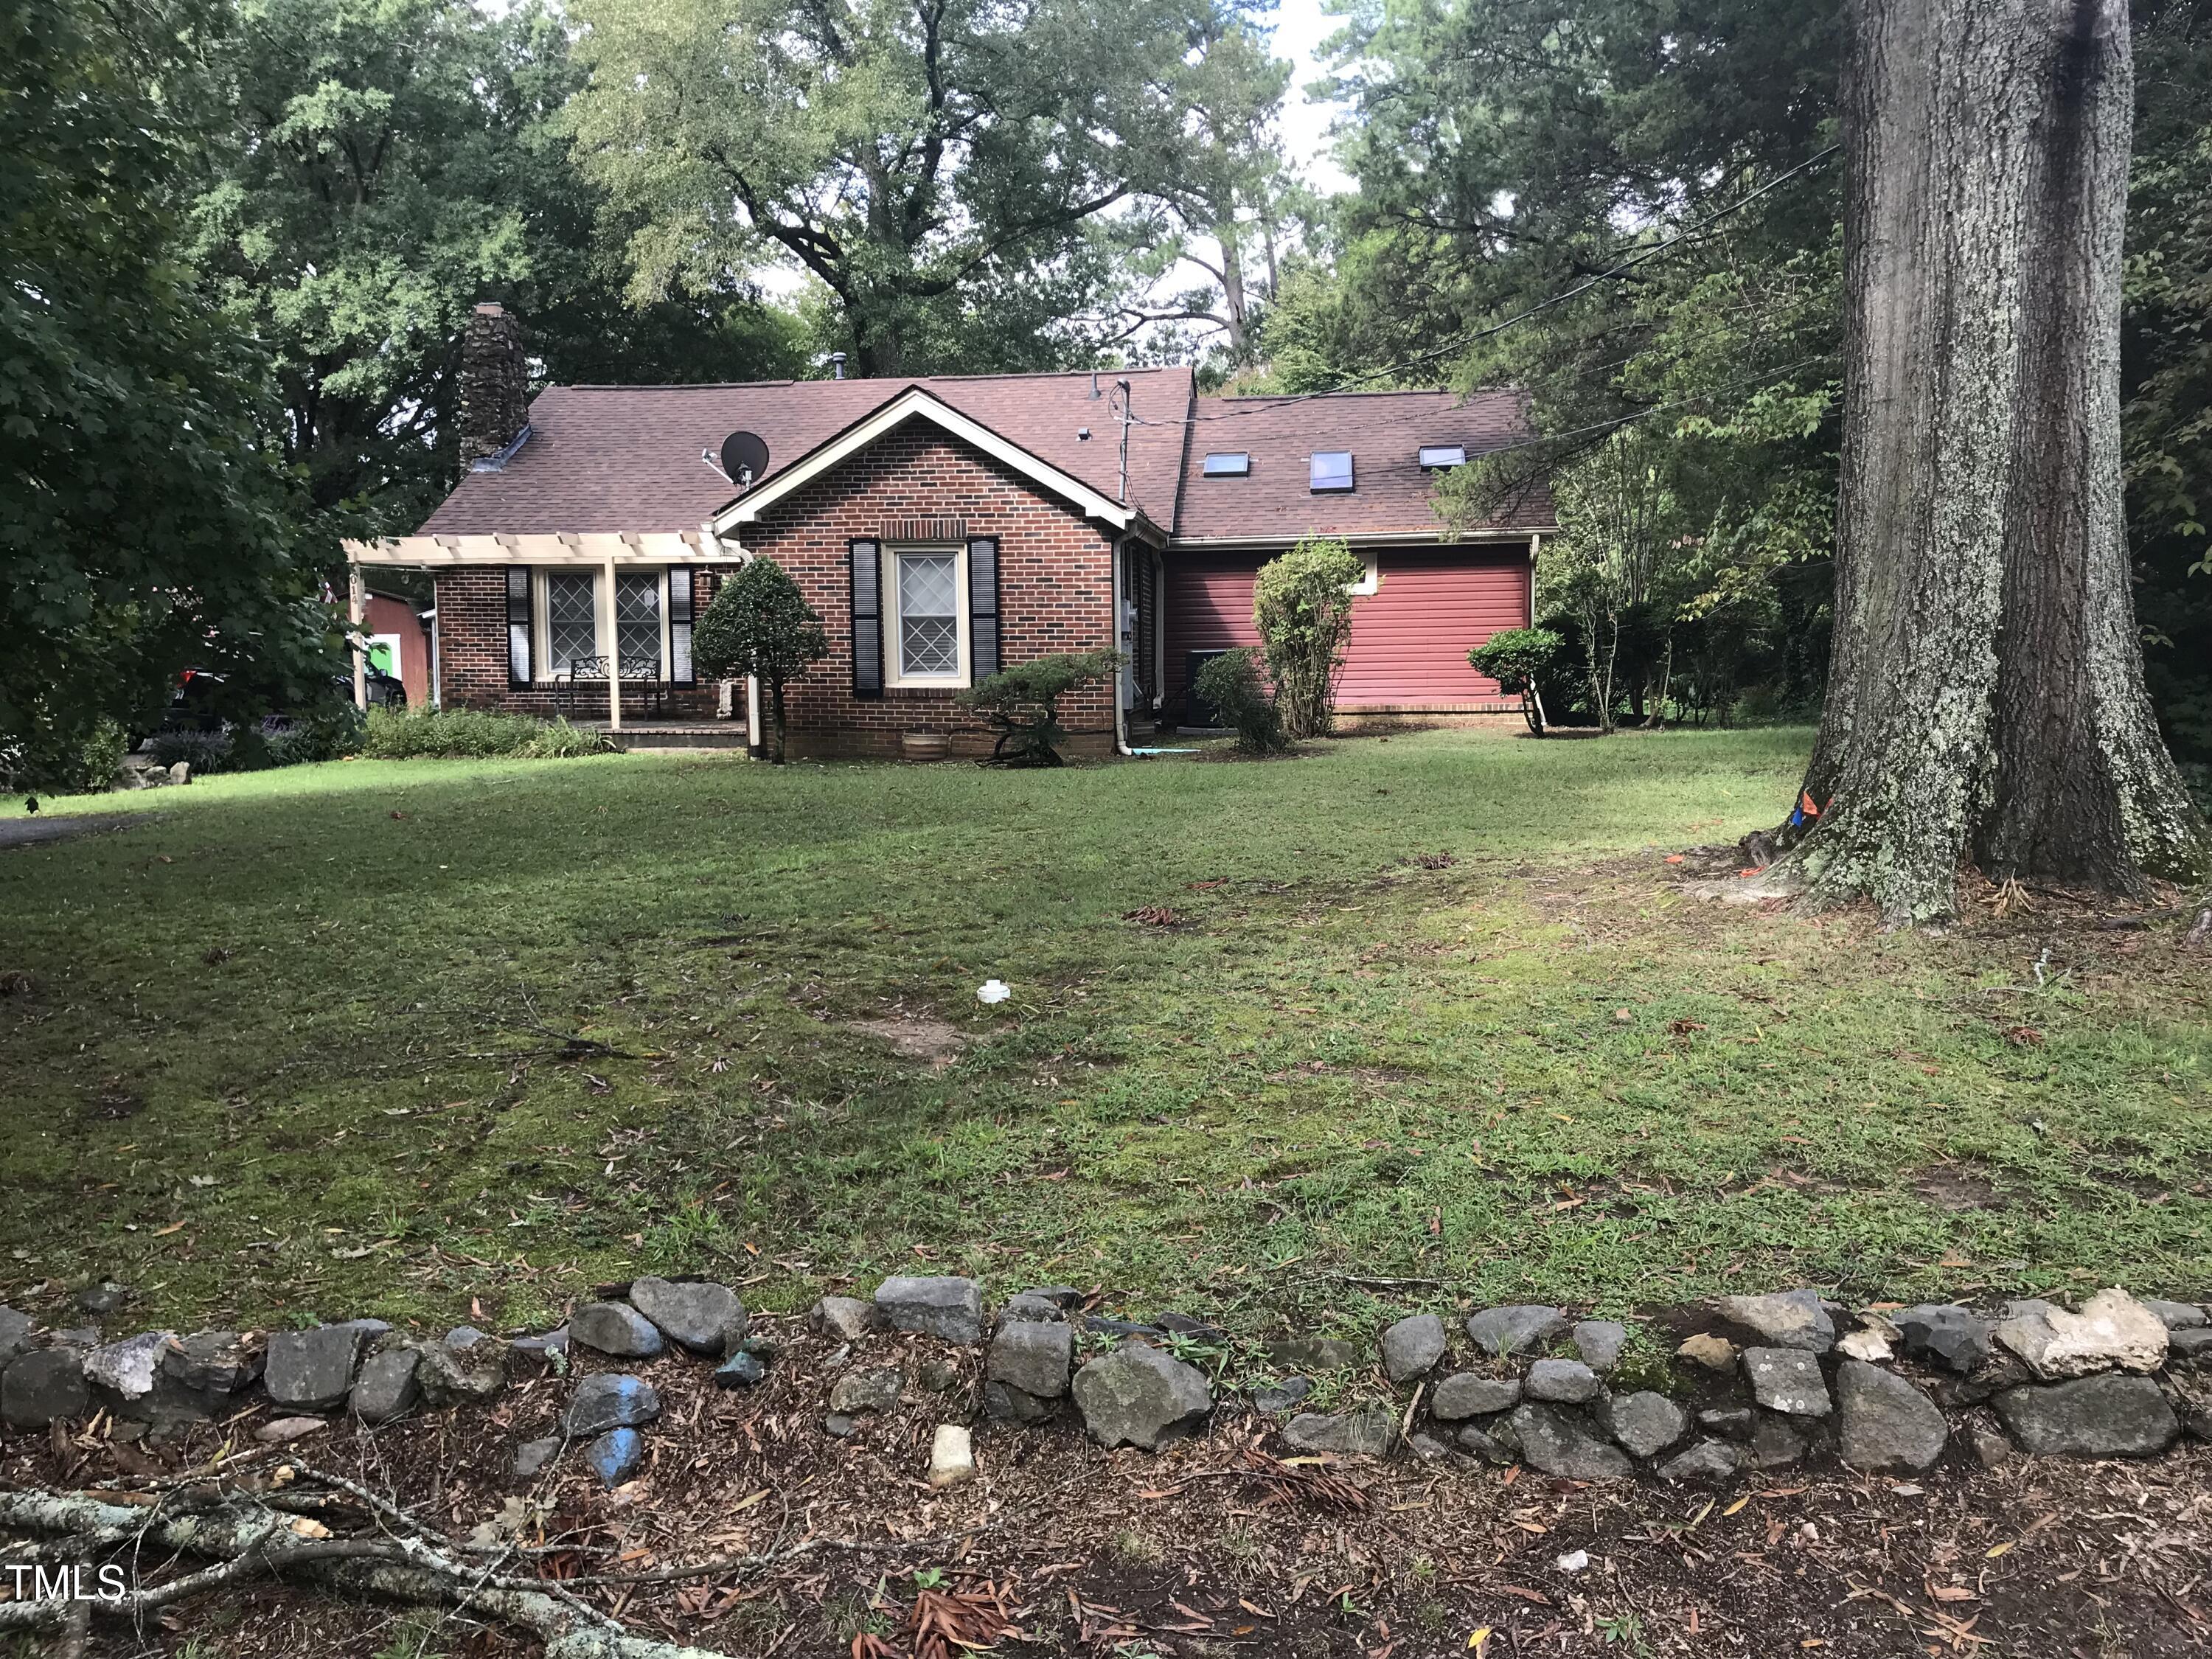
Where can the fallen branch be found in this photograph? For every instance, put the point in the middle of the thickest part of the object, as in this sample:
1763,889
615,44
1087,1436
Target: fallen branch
253,1540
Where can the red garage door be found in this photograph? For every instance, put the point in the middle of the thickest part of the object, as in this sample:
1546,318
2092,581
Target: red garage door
1409,639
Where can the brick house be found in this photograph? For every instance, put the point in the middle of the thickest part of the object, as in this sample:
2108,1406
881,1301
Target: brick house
943,526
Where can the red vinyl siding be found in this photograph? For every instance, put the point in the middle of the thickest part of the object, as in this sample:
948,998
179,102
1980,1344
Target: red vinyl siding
1409,639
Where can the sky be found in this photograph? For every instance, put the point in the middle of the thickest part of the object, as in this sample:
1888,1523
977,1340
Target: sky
1301,26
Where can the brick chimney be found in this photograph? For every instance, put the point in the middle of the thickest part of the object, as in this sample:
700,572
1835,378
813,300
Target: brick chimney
494,383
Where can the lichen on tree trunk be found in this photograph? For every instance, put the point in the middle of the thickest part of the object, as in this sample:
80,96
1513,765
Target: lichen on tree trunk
1985,698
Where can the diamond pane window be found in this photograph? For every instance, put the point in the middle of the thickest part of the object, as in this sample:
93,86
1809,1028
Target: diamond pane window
929,614
637,618
1332,470
1234,463
572,620
1436,455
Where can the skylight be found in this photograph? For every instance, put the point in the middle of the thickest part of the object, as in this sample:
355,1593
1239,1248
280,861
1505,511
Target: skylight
1332,470
1230,464
1436,455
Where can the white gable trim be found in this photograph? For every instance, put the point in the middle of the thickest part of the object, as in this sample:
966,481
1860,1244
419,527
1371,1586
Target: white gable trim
747,508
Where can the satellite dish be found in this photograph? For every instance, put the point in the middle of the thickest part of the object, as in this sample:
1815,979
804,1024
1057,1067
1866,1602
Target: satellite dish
745,458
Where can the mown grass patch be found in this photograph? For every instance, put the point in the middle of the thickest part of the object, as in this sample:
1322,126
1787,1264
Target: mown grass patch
402,1037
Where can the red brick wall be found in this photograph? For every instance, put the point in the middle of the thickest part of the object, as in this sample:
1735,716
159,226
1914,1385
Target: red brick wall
1055,583
1056,593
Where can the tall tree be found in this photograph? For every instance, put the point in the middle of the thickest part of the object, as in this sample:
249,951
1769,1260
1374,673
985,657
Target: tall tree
145,522
1986,695
378,167
935,165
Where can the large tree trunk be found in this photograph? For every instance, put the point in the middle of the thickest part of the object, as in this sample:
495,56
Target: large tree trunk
1985,695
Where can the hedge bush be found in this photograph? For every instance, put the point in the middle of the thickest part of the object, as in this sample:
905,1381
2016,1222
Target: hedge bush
1232,683
475,734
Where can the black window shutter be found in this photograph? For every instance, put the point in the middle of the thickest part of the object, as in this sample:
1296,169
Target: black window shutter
679,625
983,607
518,624
867,619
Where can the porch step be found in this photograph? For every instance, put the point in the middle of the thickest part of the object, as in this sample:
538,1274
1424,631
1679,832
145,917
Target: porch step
722,735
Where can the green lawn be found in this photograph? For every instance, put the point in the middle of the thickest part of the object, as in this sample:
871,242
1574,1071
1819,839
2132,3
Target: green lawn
297,1046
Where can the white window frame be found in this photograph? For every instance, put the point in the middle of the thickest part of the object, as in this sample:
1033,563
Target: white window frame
894,674
541,622
1371,579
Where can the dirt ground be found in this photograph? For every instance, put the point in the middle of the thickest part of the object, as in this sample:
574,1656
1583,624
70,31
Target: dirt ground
1215,1548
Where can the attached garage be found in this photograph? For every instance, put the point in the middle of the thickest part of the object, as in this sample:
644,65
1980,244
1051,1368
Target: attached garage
1409,638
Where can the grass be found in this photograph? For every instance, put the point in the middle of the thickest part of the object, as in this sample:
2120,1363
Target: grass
442,1040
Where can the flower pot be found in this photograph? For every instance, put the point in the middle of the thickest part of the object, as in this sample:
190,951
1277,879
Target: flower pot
926,745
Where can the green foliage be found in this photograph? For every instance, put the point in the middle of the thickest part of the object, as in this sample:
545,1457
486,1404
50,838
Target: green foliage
475,734
1232,683
759,625
1514,655
936,170
145,520
1302,605
1022,703
329,733
52,765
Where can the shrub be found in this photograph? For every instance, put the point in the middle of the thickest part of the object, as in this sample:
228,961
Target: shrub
474,734
759,626
325,735
1022,703
1302,605
1232,685
206,752
1514,656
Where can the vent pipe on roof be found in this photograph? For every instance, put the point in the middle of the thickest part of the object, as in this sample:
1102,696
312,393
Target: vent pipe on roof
837,365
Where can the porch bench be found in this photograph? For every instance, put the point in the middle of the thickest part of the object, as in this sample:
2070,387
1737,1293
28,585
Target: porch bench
643,672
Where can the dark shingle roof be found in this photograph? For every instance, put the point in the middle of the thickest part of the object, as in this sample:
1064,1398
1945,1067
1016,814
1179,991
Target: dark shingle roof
615,459
1384,431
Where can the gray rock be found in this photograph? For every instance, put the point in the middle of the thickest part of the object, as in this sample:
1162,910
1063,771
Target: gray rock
471,1375
1138,1396
1004,1403
1182,1324
2097,1417
1524,1328
846,1316
1034,1357
1600,1342
704,1317
387,1384
314,1370
1709,1462
548,1353
1412,1348
616,1456
531,1458
1567,1381
2112,1330
1427,1448
1063,1297
44,1386
2176,1316
1883,1424
2190,1346
742,1369
1945,1334
128,1367
462,1338
14,1333
1774,1443
1729,1422
103,1299
1989,1444
1281,1396
609,1400
1312,1353
949,1308
1787,1319
838,1426
1463,1394
1370,1433
617,1329
1788,1380
1644,1422
1488,1445
1026,1307
877,1389
1555,1444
